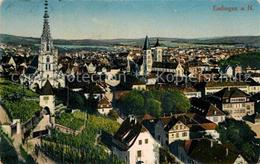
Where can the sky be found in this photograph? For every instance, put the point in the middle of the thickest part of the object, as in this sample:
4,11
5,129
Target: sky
110,19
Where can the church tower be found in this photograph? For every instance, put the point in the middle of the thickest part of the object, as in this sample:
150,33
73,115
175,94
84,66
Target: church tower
157,51
44,67
48,57
47,61
147,57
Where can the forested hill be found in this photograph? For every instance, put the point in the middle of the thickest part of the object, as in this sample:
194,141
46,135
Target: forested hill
248,59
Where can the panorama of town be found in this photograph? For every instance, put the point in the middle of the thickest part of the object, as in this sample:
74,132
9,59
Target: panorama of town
138,103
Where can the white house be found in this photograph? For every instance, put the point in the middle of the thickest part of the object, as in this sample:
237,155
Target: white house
133,143
227,71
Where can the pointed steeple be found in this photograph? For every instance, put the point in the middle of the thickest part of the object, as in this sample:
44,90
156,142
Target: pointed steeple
157,44
47,89
46,40
146,43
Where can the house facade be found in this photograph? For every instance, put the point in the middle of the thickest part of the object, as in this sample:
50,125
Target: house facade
235,102
133,143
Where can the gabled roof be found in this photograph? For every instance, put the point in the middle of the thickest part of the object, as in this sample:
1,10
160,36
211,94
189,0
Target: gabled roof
47,89
127,134
228,93
204,108
224,68
146,44
104,101
191,120
206,151
33,66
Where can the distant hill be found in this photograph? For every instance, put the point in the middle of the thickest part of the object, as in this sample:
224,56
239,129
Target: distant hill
248,59
236,40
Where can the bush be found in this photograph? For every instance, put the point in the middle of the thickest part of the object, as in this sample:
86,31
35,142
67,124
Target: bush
113,115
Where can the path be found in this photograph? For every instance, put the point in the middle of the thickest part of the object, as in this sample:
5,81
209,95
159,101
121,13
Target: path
41,158
255,127
3,116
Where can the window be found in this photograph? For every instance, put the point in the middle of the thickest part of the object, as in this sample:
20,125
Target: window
215,118
146,141
180,126
46,98
140,142
48,59
176,127
184,134
177,135
139,153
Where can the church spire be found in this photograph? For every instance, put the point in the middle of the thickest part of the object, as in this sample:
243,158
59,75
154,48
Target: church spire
46,40
146,43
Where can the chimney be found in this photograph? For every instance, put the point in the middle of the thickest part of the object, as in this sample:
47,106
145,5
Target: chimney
226,151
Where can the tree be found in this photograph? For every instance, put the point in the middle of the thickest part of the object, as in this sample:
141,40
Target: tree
153,107
174,101
240,136
133,103
154,102
76,100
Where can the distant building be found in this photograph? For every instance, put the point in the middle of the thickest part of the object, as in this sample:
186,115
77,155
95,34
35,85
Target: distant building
169,67
207,110
237,70
234,101
227,71
183,127
206,151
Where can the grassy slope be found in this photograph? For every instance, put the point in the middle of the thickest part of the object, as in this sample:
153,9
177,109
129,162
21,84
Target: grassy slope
22,108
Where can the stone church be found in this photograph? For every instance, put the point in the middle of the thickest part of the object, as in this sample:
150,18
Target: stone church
44,66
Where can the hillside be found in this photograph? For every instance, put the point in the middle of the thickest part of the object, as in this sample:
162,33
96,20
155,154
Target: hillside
236,40
249,59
